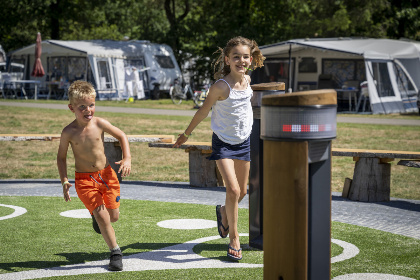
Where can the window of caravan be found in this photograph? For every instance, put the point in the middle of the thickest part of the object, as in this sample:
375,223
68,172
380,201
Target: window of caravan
66,68
56,68
165,61
308,65
344,70
381,76
274,70
139,64
403,82
76,68
104,75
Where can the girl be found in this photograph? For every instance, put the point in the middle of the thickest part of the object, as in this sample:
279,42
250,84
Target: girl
231,123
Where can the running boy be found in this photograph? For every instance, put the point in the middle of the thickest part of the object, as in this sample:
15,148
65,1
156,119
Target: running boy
96,182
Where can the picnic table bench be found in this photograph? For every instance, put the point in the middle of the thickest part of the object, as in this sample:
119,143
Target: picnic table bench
371,178
372,172
112,147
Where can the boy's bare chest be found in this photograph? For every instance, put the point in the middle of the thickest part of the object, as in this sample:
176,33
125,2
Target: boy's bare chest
87,138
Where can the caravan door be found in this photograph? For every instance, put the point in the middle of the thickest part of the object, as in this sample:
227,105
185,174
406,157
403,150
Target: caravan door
385,98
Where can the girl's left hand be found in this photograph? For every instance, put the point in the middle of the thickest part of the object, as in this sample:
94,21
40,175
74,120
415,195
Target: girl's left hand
181,140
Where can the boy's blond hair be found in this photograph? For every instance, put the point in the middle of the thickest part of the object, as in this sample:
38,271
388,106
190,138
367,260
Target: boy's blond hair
81,90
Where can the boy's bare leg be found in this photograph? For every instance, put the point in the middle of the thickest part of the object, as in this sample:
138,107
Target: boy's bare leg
114,214
235,175
103,218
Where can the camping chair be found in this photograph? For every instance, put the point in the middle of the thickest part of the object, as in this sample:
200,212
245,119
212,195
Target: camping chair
9,88
353,91
364,94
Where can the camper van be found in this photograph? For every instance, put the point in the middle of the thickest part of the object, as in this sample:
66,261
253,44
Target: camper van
107,64
379,73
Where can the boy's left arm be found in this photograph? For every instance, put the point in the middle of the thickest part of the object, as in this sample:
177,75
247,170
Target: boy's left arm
125,163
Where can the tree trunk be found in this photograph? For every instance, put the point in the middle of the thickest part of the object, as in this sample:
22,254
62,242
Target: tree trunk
371,181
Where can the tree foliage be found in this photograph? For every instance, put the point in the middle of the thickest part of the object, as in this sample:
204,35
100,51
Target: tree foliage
195,28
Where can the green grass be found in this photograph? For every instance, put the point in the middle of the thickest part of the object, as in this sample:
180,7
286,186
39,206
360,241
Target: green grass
37,159
41,238
163,103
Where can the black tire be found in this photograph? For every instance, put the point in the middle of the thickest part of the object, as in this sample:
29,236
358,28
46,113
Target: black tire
176,92
155,93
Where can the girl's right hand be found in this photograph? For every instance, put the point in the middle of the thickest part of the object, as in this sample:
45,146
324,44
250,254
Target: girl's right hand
181,140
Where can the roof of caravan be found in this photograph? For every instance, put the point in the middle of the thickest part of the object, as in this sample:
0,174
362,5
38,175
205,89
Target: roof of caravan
366,47
105,48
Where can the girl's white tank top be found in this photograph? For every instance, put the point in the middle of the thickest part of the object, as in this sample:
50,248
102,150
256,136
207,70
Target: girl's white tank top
232,118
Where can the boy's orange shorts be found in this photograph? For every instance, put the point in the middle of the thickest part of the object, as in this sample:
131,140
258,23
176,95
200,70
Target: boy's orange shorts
98,188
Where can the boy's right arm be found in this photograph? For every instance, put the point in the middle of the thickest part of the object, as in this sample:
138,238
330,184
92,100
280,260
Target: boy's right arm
62,164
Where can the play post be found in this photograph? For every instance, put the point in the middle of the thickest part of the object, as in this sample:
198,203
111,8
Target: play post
297,130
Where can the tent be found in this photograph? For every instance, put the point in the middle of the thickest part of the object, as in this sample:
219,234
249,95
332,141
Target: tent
104,63
389,70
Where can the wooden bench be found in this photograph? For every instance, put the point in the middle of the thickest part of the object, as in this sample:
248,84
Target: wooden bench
112,147
202,172
371,179
372,172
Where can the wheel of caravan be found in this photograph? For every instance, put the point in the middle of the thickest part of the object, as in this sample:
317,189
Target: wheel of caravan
176,92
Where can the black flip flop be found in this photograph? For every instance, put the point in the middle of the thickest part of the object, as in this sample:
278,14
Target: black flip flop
233,257
219,222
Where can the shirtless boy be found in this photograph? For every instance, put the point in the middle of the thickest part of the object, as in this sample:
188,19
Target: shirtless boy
96,182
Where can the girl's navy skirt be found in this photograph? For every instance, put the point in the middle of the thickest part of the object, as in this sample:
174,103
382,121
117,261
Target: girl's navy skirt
221,150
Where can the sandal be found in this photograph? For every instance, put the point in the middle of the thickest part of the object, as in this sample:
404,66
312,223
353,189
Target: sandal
233,257
219,222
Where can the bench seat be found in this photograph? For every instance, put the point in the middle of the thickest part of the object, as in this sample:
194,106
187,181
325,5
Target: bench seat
371,178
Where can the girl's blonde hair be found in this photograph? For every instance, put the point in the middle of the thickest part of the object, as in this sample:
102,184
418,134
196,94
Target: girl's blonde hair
81,90
221,69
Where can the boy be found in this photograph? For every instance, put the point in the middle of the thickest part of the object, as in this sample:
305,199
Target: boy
96,182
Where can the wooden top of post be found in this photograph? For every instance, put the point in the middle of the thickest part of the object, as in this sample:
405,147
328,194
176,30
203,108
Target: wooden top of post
302,98
269,86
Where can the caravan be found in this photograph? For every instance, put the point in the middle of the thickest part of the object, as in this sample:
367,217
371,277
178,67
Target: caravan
115,68
384,73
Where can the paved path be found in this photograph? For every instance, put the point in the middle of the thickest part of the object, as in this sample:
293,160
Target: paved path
128,110
398,216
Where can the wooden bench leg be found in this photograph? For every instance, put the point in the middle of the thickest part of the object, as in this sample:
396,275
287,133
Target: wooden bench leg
371,180
113,153
203,172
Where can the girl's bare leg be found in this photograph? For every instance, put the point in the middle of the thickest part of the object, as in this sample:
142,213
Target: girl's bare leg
103,219
235,175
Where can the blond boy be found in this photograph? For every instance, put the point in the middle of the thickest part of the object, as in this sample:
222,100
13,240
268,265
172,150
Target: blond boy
96,182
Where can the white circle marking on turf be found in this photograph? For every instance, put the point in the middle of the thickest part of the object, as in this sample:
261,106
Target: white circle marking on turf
179,256
371,276
188,224
18,211
79,213
349,251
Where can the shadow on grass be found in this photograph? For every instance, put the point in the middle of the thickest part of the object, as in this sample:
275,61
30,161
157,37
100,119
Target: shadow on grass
80,257
20,266
221,248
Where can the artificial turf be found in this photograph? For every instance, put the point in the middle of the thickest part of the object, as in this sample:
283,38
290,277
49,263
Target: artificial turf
41,238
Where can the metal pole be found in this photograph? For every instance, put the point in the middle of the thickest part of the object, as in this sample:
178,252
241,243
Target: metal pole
290,69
